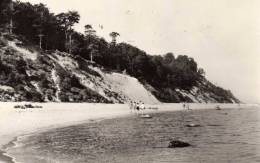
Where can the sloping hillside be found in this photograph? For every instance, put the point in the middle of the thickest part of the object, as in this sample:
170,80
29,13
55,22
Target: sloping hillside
29,74
204,92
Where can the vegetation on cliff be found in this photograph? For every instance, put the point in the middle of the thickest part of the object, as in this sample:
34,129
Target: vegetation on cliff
46,32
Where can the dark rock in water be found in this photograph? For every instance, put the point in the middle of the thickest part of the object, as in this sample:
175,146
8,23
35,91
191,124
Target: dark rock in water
218,108
178,144
193,125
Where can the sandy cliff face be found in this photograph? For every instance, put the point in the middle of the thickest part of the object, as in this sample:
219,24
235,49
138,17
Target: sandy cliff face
57,76
29,74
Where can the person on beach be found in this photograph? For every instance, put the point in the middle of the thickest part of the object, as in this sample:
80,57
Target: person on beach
183,105
131,106
137,107
134,107
188,107
142,108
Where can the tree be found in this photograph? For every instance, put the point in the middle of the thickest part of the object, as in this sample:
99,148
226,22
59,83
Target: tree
3,14
91,38
93,52
6,14
10,14
39,22
89,31
168,58
139,64
114,35
67,20
39,26
34,21
201,72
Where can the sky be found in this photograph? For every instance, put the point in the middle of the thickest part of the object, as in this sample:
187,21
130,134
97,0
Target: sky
223,36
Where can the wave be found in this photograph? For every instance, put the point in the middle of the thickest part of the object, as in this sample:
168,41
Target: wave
5,157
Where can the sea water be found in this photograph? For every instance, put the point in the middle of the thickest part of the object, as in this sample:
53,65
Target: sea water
227,135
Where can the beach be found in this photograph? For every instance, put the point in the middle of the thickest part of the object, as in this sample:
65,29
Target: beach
16,122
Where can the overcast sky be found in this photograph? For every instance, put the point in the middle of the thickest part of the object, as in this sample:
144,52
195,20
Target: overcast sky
223,36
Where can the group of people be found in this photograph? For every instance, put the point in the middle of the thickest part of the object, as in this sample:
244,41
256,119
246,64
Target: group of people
186,106
136,107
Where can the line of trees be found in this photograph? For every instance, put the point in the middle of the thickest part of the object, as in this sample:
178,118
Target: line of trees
42,27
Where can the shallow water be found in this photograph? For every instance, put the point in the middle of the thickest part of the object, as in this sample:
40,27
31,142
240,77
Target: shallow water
229,135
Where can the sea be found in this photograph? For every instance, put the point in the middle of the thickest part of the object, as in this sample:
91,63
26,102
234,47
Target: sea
221,136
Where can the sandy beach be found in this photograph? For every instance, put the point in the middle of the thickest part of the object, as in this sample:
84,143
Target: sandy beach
15,122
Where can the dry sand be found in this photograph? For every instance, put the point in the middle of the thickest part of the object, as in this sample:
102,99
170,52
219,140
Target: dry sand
15,122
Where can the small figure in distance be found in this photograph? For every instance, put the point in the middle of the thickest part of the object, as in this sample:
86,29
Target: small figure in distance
130,106
142,108
188,107
137,108
184,106
218,107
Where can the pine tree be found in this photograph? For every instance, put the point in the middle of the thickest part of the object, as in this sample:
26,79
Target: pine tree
114,35
39,26
67,20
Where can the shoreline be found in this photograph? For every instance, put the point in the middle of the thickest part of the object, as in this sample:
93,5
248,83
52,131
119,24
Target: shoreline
4,158
17,122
